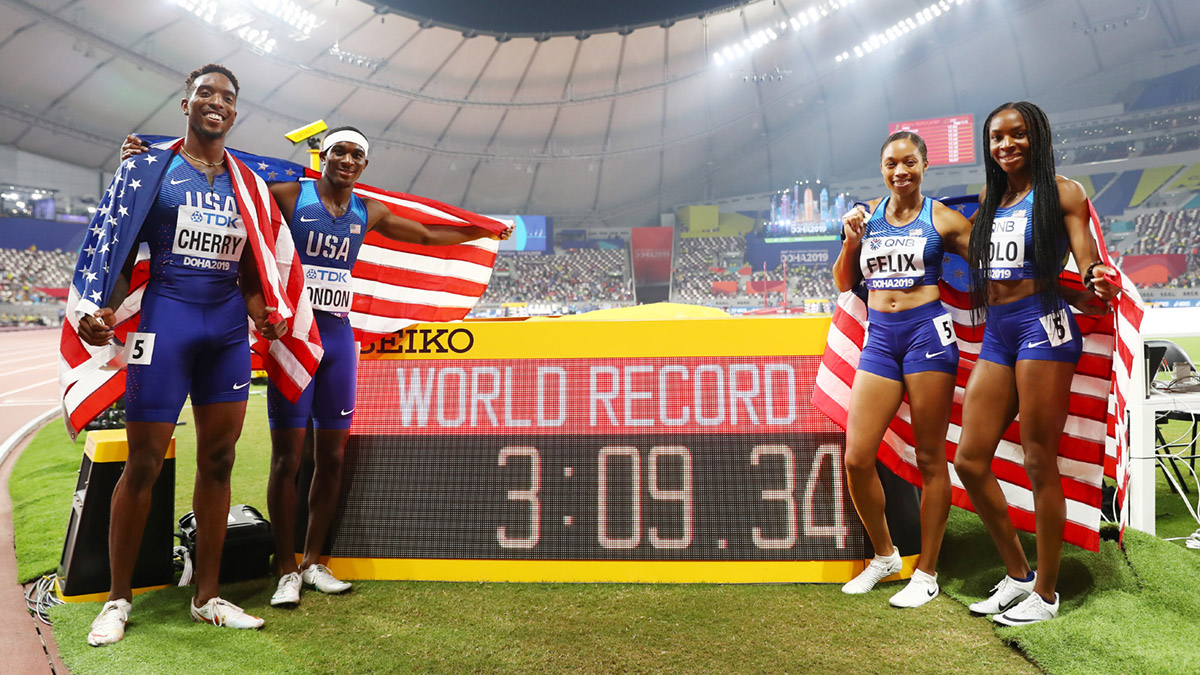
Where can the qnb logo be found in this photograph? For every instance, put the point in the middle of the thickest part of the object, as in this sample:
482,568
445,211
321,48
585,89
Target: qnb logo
652,254
425,341
894,242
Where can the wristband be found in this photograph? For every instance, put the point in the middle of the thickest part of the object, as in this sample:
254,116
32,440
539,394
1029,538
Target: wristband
1088,282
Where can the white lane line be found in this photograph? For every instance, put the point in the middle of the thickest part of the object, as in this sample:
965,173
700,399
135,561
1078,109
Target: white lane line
6,373
44,356
32,386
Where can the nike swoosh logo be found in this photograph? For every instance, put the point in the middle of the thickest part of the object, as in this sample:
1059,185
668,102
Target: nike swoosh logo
1009,605
242,386
1016,620
930,356
347,412
177,182
1031,345
932,593
307,220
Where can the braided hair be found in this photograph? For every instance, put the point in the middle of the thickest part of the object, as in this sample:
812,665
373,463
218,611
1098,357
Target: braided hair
1047,210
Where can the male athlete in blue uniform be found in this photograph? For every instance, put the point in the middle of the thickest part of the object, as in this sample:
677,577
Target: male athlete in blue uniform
328,223
191,338
895,247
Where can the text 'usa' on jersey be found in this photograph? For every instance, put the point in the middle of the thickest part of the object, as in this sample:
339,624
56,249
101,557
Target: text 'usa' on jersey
195,234
328,247
901,256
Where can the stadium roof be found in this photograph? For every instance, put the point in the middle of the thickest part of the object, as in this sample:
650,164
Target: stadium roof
543,18
604,129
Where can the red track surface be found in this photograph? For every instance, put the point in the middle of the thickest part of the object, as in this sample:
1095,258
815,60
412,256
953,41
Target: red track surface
28,388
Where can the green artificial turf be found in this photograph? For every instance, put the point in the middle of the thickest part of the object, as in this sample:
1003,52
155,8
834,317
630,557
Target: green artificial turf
1122,611
399,627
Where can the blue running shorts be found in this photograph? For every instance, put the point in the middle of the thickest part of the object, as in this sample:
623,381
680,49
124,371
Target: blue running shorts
1023,330
329,398
183,347
910,341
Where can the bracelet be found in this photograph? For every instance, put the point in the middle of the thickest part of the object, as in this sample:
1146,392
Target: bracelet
1088,282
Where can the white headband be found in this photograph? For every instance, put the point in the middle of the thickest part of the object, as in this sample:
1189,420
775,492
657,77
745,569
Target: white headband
345,135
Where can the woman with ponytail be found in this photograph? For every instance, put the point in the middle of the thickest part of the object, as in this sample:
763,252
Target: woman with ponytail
1029,219
894,246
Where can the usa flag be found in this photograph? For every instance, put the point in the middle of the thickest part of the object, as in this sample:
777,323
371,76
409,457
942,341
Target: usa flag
92,378
396,284
1093,444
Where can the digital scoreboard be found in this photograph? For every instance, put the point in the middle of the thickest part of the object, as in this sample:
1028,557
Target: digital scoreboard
569,450
948,140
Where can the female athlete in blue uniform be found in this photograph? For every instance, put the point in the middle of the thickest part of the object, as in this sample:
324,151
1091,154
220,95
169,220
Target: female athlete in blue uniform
191,338
895,247
1028,220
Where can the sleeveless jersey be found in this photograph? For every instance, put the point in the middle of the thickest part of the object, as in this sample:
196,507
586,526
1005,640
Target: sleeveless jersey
905,256
1010,251
328,247
195,236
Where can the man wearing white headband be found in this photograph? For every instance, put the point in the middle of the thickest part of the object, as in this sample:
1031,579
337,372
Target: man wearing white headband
344,134
328,223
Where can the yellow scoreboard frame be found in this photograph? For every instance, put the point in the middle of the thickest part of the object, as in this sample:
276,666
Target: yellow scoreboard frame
752,354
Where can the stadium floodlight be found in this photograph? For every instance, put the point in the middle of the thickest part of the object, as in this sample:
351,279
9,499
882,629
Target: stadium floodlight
900,28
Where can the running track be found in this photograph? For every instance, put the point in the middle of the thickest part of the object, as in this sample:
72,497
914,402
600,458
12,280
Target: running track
28,377
28,389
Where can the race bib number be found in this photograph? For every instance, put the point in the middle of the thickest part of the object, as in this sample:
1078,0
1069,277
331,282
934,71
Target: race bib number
1057,327
208,239
892,262
139,349
329,288
945,329
1006,251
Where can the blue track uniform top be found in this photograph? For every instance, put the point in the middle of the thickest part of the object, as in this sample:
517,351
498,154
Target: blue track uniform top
1010,253
195,236
328,247
897,257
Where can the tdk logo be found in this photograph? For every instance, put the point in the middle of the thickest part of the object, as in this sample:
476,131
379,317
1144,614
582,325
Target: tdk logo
328,275
212,218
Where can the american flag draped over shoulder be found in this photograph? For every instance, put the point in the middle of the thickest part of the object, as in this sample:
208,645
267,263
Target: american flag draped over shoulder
1093,443
92,378
396,284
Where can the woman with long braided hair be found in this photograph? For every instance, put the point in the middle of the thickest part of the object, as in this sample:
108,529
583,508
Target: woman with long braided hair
1029,219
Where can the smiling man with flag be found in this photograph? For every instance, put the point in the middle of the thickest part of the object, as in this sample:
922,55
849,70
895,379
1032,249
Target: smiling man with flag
186,242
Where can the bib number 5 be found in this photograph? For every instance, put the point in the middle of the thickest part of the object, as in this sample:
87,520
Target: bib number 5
1057,327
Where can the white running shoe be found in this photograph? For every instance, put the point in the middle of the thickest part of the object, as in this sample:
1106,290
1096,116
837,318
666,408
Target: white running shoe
220,612
109,626
921,589
1004,596
288,592
880,568
1030,610
318,577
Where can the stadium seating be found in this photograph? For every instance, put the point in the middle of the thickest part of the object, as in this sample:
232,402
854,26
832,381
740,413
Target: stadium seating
576,280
